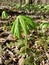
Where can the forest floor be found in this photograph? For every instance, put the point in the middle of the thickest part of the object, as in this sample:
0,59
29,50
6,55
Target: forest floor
8,48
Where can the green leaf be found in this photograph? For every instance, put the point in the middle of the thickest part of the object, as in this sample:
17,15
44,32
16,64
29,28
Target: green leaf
44,25
29,21
12,30
16,29
22,22
24,26
4,15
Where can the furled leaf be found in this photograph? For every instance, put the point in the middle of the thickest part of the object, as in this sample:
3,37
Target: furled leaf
29,21
4,15
22,22
12,30
16,28
44,25
24,26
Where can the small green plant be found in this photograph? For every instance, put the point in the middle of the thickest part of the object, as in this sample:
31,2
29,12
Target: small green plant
22,23
4,15
44,26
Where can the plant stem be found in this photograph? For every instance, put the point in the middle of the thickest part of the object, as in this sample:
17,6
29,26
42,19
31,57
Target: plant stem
26,42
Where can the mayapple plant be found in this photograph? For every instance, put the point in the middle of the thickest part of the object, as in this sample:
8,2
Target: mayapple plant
44,26
4,15
23,23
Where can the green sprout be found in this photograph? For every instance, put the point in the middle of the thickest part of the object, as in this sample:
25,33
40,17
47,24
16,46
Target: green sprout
4,15
44,26
22,23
